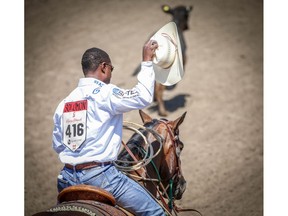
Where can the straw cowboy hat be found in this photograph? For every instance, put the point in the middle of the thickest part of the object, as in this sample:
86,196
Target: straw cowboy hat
168,61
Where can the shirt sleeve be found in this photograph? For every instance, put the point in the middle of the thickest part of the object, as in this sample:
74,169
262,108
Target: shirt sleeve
140,96
57,131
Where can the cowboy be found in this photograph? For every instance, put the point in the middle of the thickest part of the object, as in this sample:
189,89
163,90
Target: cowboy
88,128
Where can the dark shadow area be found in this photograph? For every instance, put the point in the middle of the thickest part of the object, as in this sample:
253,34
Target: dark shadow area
136,70
169,88
173,104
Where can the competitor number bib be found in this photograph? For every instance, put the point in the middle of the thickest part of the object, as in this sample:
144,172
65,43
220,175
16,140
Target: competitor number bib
74,124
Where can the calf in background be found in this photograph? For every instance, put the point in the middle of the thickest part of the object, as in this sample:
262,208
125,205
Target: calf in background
180,16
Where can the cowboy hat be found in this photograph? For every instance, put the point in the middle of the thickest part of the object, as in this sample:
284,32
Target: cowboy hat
168,62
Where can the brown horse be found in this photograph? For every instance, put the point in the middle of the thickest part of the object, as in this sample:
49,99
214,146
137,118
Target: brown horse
161,172
154,152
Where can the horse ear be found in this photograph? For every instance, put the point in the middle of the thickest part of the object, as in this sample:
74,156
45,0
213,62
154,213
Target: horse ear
179,121
145,117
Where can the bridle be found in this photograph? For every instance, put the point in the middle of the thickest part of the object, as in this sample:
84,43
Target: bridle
176,176
137,164
176,149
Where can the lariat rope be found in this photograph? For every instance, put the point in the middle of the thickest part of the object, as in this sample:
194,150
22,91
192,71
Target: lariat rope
147,158
138,164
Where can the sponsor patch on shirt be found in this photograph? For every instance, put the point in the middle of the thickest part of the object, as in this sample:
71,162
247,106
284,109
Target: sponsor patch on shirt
98,83
96,91
130,94
118,92
124,94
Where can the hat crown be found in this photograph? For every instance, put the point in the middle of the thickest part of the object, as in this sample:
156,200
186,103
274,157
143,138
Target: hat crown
166,51
168,62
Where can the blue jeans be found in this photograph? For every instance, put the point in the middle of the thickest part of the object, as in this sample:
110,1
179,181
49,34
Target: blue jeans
128,193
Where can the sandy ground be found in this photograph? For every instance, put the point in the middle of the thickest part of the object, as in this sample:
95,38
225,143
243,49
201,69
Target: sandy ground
222,91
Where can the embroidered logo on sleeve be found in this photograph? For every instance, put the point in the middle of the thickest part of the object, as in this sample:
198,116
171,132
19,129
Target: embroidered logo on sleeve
74,124
131,94
118,93
124,94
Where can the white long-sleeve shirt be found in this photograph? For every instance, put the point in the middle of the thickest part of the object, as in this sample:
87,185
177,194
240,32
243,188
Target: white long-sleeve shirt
88,123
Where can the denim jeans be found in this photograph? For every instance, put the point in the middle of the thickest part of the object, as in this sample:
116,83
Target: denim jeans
128,193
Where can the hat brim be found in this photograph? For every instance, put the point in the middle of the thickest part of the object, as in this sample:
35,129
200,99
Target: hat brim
173,74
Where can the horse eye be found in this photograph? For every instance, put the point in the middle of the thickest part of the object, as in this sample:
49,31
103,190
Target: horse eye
181,145
178,151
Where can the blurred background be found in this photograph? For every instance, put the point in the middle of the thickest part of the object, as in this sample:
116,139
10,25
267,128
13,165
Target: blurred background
222,91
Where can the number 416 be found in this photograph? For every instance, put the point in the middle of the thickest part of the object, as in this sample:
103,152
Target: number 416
77,130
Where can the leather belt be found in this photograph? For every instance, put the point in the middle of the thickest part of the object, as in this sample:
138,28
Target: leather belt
87,165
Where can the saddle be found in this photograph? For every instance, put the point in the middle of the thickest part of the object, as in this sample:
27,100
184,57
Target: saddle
83,200
86,192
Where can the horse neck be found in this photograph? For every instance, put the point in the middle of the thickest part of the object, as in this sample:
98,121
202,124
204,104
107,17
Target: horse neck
153,169
158,169
155,164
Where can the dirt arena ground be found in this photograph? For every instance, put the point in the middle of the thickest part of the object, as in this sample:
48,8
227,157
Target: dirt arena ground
222,91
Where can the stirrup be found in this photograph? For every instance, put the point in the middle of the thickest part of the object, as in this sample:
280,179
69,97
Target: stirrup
86,192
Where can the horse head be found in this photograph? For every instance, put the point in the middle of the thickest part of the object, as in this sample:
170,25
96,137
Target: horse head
165,165
169,163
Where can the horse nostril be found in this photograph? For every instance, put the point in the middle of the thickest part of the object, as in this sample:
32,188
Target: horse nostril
184,185
180,188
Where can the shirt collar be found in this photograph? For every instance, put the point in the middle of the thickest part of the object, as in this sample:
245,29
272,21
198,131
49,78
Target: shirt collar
90,81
